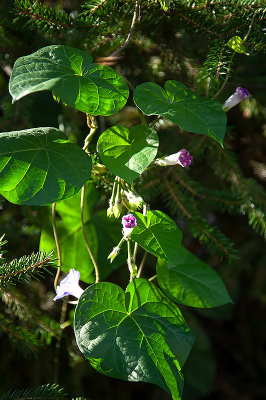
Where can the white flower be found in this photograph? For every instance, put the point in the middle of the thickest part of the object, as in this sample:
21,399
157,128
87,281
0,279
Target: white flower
183,158
239,95
69,286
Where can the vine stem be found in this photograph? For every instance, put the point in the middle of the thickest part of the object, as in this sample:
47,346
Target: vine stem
142,264
59,339
96,268
152,278
57,246
92,124
129,259
231,59
131,31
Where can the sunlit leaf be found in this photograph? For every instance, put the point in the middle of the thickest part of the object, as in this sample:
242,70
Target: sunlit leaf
128,152
70,74
158,234
137,335
40,166
183,107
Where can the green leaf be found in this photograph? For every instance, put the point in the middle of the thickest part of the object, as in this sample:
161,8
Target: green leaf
236,43
165,4
158,234
99,229
36,169
183,107
127,153
191,282
139,335
70,74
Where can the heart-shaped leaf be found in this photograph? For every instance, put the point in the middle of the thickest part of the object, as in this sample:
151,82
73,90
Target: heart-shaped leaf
139,335
127,153
192,282
183,107
70,74
158,234
40,166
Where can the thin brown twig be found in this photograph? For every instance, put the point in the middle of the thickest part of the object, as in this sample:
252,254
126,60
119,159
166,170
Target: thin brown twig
39,264
142,264
57,245
96,268
131,31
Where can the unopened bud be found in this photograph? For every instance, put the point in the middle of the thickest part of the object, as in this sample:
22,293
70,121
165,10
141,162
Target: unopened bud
117,208
239,95
113,253
183,158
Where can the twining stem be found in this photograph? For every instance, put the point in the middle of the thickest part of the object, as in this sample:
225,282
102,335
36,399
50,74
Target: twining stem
144,212
58,341
232,56
57,246
64,304
155,121
96,268
130,260
142,264
152,278
131,31
92,124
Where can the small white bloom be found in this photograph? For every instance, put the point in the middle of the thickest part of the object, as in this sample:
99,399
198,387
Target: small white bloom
183,158
239,95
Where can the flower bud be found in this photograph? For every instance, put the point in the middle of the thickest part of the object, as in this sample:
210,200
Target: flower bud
239,95
113,253
110,211
183,158
117,208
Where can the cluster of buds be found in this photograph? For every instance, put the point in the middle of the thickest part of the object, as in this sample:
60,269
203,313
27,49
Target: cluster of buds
115,204
183,158
239,95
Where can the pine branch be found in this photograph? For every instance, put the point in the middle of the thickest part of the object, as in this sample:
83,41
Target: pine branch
21,339
17,305
253,202
21,270
44,392
209,235
36,15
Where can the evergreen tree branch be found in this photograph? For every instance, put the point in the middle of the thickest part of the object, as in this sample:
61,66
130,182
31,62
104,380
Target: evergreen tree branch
20,270
199,227
44,392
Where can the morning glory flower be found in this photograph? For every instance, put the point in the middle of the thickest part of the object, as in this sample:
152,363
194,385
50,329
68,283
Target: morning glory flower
239,95
183,158
129,222
69,286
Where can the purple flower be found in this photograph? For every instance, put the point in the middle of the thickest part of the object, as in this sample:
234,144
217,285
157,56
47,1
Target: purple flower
129,223
239,95
69,286
183,158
